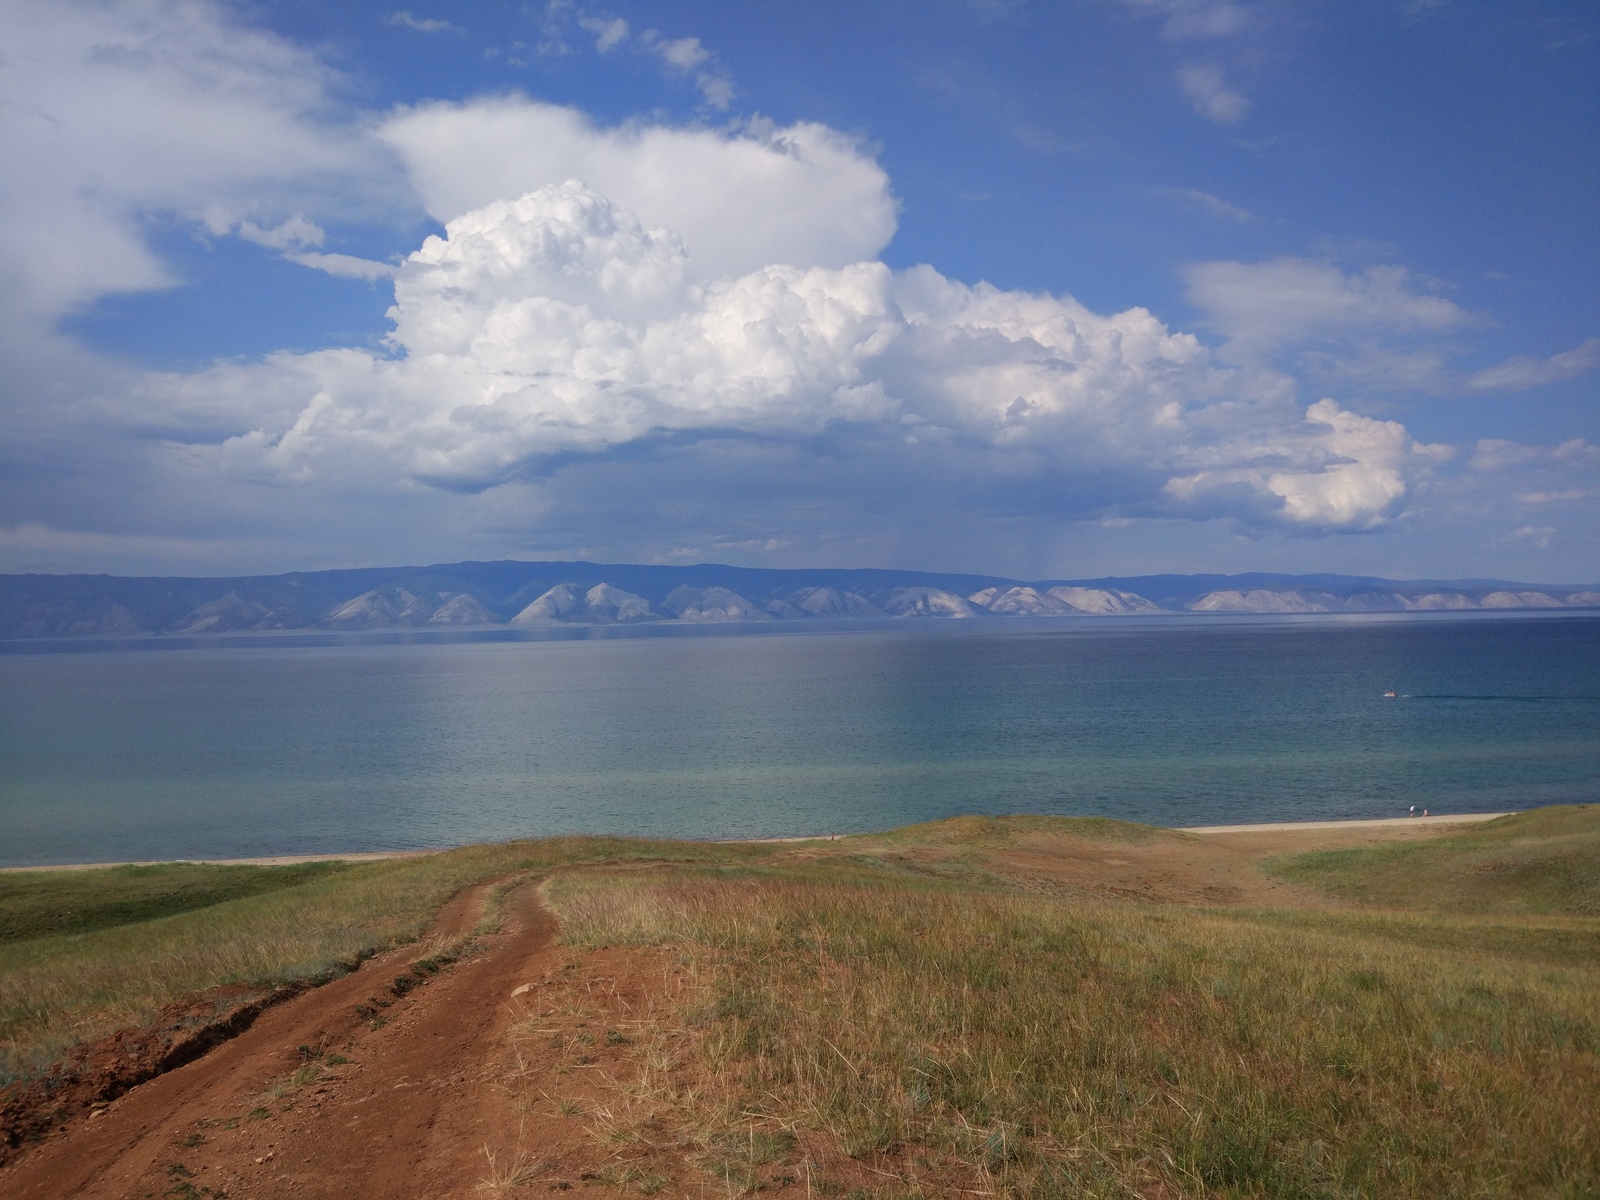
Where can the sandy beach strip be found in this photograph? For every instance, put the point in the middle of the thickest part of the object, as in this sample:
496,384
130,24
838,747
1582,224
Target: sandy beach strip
1370,823
286,860
276,860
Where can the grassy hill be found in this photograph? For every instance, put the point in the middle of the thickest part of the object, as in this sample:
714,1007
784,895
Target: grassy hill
910,1014
1543,862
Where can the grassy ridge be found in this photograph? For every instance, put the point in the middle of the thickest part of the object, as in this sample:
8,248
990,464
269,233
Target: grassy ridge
1546,861
36,904
1052,1050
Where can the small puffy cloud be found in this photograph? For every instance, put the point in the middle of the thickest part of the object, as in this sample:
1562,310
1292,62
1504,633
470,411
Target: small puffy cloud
1348,473
1212,206
295,233
1207,91
1567,496
1520,373
685,56
346,265
420,24
1540,535
717,90
1260,306
1499,454
608,33
1223,23
1186,19
294,237
740,198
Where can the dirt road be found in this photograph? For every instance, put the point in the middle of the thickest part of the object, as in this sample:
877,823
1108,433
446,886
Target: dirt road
348,1090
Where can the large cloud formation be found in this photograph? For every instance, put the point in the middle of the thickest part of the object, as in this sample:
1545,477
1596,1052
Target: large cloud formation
559,324
652,341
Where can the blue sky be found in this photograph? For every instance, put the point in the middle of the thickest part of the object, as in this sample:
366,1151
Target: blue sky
1107,286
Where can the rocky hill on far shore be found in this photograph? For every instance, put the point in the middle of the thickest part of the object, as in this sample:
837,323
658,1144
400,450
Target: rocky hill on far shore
535,595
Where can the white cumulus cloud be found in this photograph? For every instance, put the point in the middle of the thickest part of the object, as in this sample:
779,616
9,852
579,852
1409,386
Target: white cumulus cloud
608,33
559,324
803,194
1347,472
1208,91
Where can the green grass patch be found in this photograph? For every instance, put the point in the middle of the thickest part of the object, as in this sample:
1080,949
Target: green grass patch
1543,862
48,903
1535,941
999,832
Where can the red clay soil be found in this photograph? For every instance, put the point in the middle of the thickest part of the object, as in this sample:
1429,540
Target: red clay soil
371,1085
95,1073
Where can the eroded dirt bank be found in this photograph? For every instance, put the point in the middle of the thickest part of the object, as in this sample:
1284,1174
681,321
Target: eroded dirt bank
367,1086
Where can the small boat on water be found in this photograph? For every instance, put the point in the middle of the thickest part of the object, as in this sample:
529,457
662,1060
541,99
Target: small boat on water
1389,695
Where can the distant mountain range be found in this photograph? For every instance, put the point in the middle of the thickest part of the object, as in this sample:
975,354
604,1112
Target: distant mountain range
533,595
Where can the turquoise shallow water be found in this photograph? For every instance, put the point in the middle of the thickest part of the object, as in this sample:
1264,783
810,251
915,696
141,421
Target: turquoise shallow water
297,746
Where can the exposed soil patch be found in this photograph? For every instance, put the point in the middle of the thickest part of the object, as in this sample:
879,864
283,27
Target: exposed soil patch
95,1073
383,1047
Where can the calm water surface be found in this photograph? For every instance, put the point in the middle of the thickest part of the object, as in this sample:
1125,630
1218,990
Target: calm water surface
283,747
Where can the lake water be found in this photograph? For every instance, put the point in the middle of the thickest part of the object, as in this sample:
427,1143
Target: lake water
299,746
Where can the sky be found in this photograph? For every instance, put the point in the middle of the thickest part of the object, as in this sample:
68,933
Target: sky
1044,290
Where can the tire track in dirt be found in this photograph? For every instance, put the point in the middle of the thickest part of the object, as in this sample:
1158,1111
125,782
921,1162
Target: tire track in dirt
388,1097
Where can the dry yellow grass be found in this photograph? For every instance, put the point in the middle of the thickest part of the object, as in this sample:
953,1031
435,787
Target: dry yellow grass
1032,1048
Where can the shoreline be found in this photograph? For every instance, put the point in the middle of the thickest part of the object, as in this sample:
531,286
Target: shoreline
289,860
1365,823
560,632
